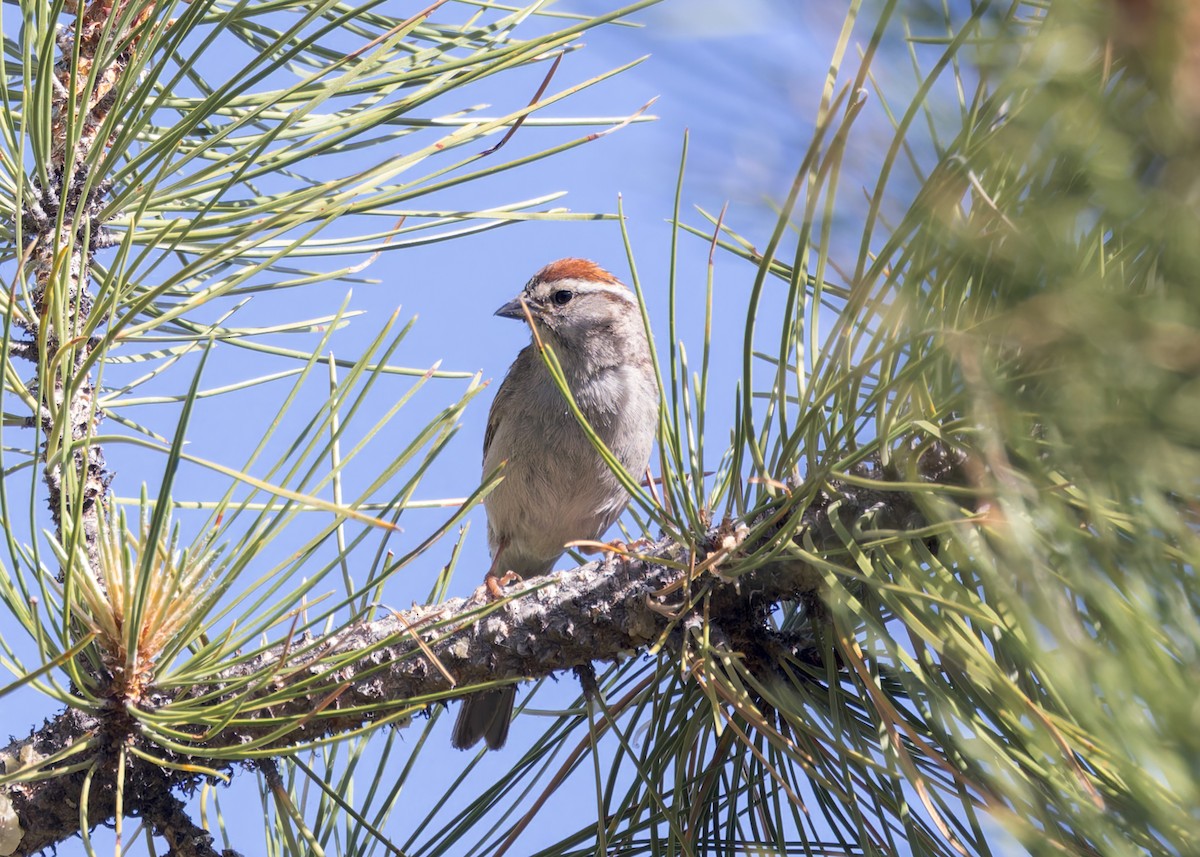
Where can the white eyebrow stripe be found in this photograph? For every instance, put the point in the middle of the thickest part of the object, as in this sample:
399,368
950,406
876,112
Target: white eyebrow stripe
595,286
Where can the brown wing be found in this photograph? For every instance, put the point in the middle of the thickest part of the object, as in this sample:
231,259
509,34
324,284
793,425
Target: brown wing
490,433
502,404
493,422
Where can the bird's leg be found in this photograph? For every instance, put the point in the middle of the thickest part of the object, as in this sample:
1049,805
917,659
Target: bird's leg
495,582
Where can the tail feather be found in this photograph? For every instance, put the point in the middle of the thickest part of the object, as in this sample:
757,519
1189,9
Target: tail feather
484,715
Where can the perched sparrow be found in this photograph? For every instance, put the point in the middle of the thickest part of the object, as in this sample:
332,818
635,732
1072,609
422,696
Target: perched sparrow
556,487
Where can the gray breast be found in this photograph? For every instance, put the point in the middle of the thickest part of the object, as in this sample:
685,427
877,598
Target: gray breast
556,487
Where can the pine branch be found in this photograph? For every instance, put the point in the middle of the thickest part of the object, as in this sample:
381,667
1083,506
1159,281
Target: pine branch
601,611
167,816
63,222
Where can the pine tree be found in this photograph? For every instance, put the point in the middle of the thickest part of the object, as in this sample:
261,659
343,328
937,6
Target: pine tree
935,594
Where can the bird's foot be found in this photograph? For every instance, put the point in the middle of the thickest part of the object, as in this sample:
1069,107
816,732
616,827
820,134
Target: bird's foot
616,546
623,551
495,585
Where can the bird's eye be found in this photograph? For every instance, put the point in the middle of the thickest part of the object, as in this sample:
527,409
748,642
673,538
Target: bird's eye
562,297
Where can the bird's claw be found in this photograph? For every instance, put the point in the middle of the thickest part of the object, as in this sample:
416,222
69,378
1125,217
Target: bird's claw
623,551
495,585
616,546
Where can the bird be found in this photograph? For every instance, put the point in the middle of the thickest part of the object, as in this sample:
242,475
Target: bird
556,487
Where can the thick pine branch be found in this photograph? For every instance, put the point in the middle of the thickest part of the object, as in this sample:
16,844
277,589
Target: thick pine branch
601,611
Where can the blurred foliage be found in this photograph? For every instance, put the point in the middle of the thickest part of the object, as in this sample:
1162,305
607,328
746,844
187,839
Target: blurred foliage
1034,309
1078,343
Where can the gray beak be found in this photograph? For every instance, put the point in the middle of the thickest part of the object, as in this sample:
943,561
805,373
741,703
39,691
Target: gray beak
512,309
